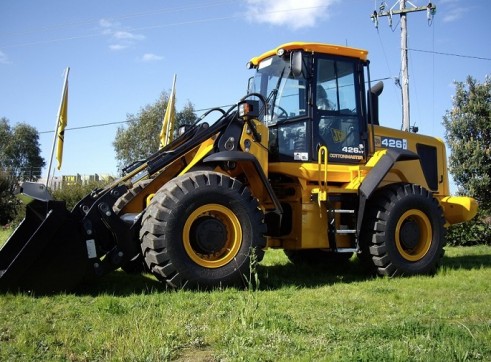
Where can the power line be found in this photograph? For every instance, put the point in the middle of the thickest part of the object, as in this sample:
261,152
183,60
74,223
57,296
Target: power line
121,122
88,126
66,25
403,11
189,22
448,54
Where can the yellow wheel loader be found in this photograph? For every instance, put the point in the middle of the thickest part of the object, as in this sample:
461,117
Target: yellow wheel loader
300,163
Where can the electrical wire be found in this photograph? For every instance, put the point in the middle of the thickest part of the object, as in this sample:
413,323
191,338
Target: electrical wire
189,22
121,122
66,25
448,54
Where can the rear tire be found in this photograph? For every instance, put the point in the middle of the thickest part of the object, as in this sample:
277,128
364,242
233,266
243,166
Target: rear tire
200,229
404,231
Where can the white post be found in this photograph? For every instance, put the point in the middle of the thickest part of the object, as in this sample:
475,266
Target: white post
403,11
404,69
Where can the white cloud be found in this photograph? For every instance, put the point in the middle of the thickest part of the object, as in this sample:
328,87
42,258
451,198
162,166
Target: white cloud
126,35
119,37
291,13
117,47
452,10
3,58
150,57
105,23
454,14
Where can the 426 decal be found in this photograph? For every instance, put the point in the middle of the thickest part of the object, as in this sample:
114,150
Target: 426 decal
389,142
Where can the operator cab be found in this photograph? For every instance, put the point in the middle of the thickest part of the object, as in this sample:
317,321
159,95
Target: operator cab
315,98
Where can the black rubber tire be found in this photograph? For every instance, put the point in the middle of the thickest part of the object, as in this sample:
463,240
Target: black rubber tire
129,195
176,229
136,265
404,231
317,257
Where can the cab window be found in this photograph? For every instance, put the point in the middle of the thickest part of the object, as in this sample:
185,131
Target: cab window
336,120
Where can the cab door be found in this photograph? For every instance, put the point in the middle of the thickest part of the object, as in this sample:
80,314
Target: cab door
338,122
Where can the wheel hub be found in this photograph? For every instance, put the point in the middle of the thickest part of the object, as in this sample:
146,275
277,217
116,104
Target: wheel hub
208,235
410,234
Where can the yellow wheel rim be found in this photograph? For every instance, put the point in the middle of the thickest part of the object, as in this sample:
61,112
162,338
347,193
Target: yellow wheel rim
212,236
413,235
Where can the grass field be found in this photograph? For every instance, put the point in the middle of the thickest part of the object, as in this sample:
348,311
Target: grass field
298,313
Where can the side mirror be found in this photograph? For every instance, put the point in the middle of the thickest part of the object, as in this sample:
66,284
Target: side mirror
373,95
296,63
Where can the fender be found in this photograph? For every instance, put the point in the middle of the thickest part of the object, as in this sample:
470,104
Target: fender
377,174
252,173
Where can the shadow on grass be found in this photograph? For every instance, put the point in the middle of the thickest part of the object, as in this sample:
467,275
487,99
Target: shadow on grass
271,277
467,262
119,283
312,275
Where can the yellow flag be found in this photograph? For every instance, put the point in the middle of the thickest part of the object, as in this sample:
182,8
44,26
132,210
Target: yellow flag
166,134
62,121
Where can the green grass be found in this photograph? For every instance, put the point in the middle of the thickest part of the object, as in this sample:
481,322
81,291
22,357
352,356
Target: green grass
4,234
298,313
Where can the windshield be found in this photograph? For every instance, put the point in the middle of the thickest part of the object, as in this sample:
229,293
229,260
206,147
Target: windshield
285,93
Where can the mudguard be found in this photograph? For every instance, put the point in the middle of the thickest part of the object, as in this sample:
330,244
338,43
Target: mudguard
377,174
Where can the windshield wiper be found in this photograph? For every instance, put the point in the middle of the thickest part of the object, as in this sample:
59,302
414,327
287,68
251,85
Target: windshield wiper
274,92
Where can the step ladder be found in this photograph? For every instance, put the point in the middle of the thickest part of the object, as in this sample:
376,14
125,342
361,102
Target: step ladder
323,197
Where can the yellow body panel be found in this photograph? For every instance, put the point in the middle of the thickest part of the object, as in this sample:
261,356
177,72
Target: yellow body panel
411,171
315,48
309,225
203,150
458,208
258,149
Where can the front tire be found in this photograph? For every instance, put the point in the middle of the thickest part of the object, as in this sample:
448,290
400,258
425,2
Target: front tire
200,230
404,231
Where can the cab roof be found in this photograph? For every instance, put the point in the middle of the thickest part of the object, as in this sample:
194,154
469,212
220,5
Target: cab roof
315,48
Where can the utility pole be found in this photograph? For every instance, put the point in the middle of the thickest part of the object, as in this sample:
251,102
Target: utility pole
402,12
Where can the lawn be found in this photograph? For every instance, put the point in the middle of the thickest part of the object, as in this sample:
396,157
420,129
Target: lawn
297,313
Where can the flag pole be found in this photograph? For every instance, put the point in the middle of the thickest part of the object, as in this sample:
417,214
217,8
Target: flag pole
67,70
170,125
169,117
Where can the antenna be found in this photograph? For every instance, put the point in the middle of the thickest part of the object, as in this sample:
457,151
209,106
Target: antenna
403,11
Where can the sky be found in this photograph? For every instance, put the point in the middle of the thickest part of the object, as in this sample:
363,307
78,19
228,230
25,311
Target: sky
123,54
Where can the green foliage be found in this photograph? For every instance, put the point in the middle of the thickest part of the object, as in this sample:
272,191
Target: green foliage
20,153
141,137
474,232
9,204
298,314
72,194
468,134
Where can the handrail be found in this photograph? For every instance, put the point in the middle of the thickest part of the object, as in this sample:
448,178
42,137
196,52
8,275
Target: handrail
322,157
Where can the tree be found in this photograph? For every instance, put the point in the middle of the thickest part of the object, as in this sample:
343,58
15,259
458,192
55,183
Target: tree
141,137
20,160
9,204
468,134
20,153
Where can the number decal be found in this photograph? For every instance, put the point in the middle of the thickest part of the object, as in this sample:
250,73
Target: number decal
352,149
394,143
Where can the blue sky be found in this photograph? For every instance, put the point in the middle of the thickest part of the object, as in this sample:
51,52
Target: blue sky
123,54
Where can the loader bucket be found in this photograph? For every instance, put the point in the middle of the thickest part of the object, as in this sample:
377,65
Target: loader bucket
46,253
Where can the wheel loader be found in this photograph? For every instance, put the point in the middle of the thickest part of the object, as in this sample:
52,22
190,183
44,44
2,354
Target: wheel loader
300,163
